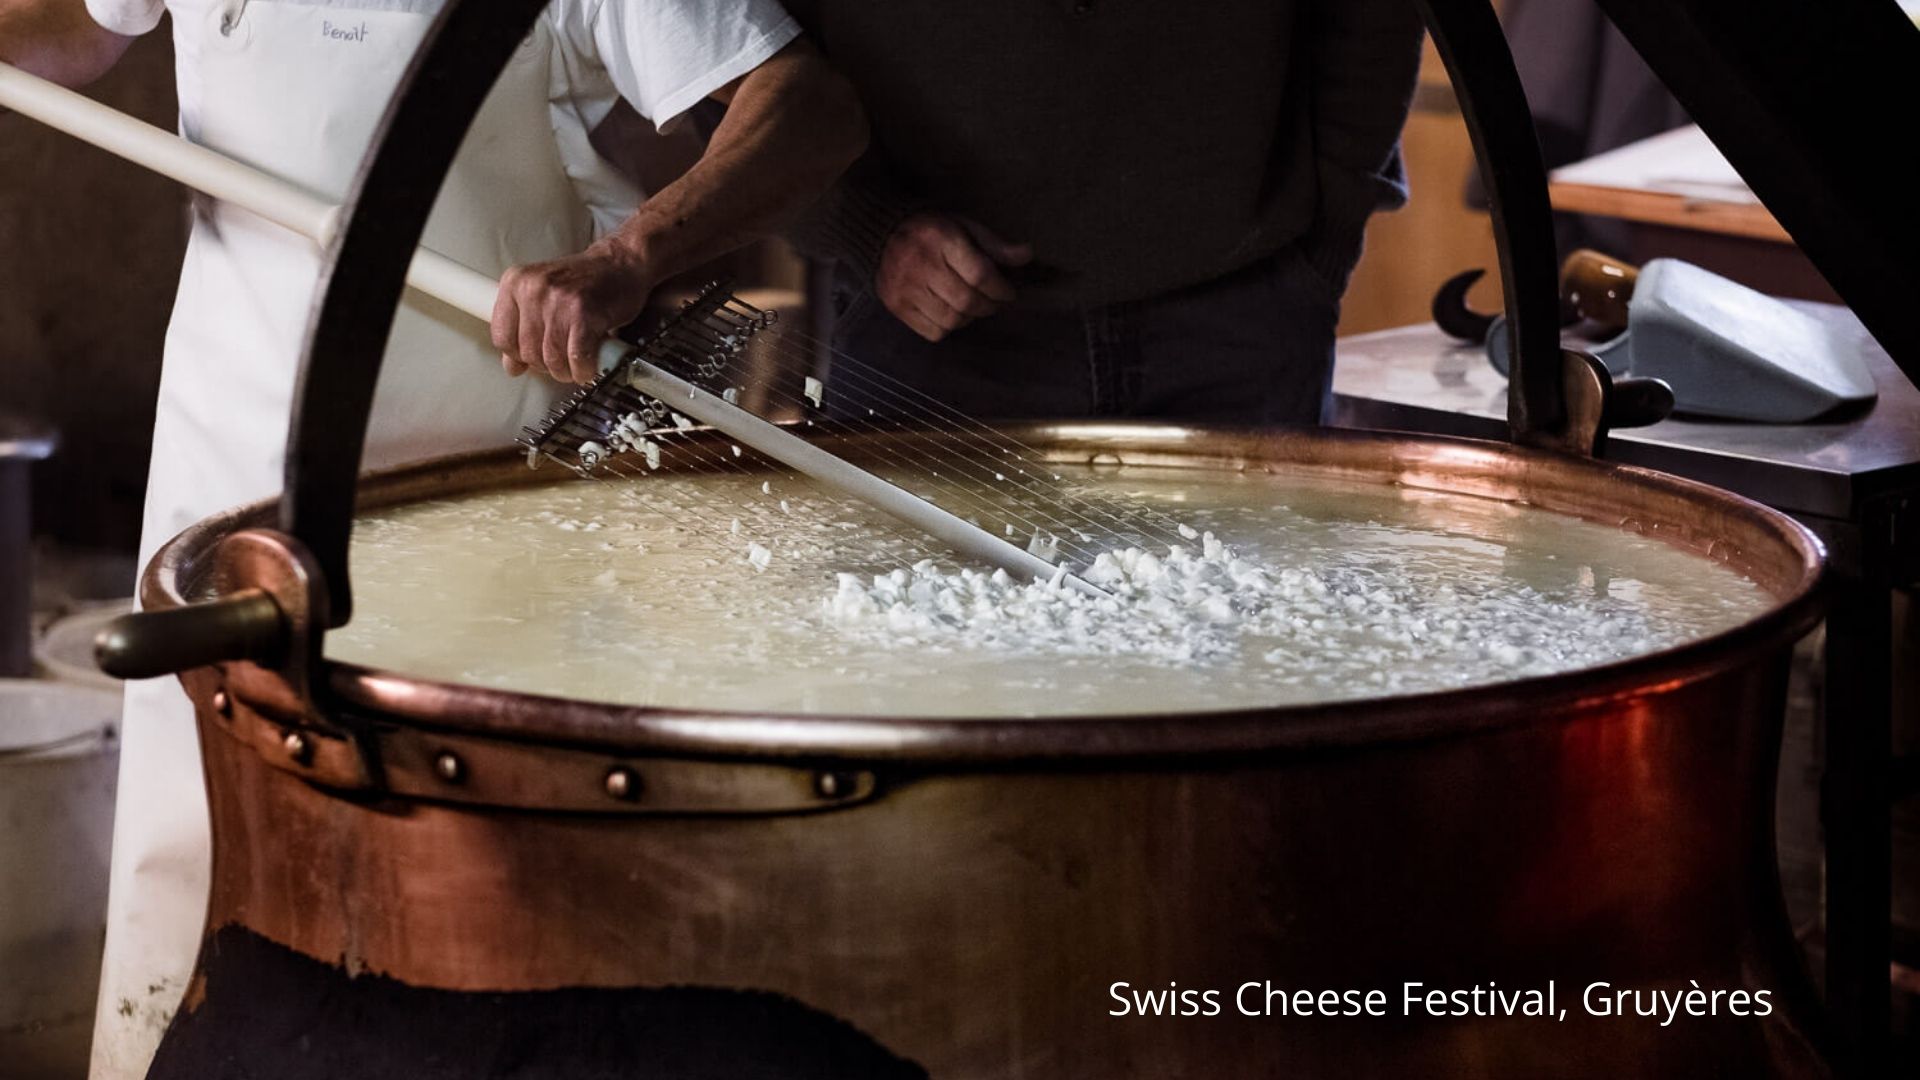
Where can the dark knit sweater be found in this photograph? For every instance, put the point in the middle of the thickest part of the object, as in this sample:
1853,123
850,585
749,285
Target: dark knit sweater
1138,145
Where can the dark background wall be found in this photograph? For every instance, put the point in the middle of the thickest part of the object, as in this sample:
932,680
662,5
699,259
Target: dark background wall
90,251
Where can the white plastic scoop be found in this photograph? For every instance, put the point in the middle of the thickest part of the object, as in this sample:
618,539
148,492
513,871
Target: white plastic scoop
473,292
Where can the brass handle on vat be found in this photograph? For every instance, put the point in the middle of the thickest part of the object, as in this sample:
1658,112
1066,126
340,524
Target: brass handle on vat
1639,402
248,625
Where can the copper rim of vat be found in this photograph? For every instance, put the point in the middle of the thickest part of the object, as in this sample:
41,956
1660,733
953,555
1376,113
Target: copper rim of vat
430,735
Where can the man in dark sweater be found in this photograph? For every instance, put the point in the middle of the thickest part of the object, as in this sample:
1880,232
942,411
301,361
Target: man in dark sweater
1111,207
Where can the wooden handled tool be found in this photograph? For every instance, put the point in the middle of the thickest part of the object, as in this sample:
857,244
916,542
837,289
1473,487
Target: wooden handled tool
1598,287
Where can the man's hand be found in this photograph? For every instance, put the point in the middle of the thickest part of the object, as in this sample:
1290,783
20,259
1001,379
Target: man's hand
938,273
792,127
551,317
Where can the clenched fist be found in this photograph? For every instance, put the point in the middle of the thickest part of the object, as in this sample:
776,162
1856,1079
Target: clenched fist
552,316
938,273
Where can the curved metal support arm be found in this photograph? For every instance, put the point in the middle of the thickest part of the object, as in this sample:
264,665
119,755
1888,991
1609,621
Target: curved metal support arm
1494,105
364,272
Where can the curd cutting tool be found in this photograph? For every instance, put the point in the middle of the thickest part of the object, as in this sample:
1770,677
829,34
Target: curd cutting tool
631,376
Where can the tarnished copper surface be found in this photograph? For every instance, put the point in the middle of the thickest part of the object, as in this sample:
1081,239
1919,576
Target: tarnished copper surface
970,904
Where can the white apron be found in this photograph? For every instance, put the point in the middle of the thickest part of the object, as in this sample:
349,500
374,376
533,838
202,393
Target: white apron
296,87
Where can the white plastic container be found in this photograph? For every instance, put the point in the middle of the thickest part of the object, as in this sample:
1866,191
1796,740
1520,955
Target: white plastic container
59,754
65,650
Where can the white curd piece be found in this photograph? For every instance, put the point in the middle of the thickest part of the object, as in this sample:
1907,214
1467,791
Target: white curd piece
1044,546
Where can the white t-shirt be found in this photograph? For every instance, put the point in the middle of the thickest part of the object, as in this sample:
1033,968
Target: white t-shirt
247,286
663,56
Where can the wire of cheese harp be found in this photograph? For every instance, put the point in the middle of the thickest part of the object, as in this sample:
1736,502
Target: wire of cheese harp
600,411
610,410
1001,470
924,445
593,413
569,428
998,455
905,400
716,518
926,470
943,479
990,500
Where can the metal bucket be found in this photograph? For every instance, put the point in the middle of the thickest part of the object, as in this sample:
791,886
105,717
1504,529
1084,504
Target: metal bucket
59,756
414,875
65,650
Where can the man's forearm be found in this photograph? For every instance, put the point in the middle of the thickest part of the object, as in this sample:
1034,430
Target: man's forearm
792,127
57,40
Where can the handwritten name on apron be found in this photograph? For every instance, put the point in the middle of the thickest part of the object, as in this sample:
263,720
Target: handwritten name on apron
343,33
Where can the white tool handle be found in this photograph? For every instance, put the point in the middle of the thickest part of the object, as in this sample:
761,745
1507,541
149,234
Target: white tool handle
168,154
836,472
473,292
225,179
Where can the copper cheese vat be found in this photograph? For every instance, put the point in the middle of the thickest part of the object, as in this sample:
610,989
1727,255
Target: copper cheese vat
421,880
961,895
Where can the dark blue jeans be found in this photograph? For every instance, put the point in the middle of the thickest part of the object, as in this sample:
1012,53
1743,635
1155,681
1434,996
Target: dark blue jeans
1253,347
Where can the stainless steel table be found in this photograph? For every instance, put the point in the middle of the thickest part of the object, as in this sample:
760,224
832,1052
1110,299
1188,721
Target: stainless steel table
1855,480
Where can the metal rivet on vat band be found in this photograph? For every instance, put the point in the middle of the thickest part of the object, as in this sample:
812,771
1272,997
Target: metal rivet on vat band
222,704
448,766
299,749
623,783
833,785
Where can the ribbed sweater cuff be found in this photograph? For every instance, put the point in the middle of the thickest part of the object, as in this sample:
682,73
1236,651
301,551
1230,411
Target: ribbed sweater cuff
1348,197
852,222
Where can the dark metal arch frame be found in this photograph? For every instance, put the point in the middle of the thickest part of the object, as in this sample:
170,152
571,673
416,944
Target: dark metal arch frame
364,272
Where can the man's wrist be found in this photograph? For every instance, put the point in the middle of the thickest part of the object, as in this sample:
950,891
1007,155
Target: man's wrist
630,257
866,223
854,221
1348,198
